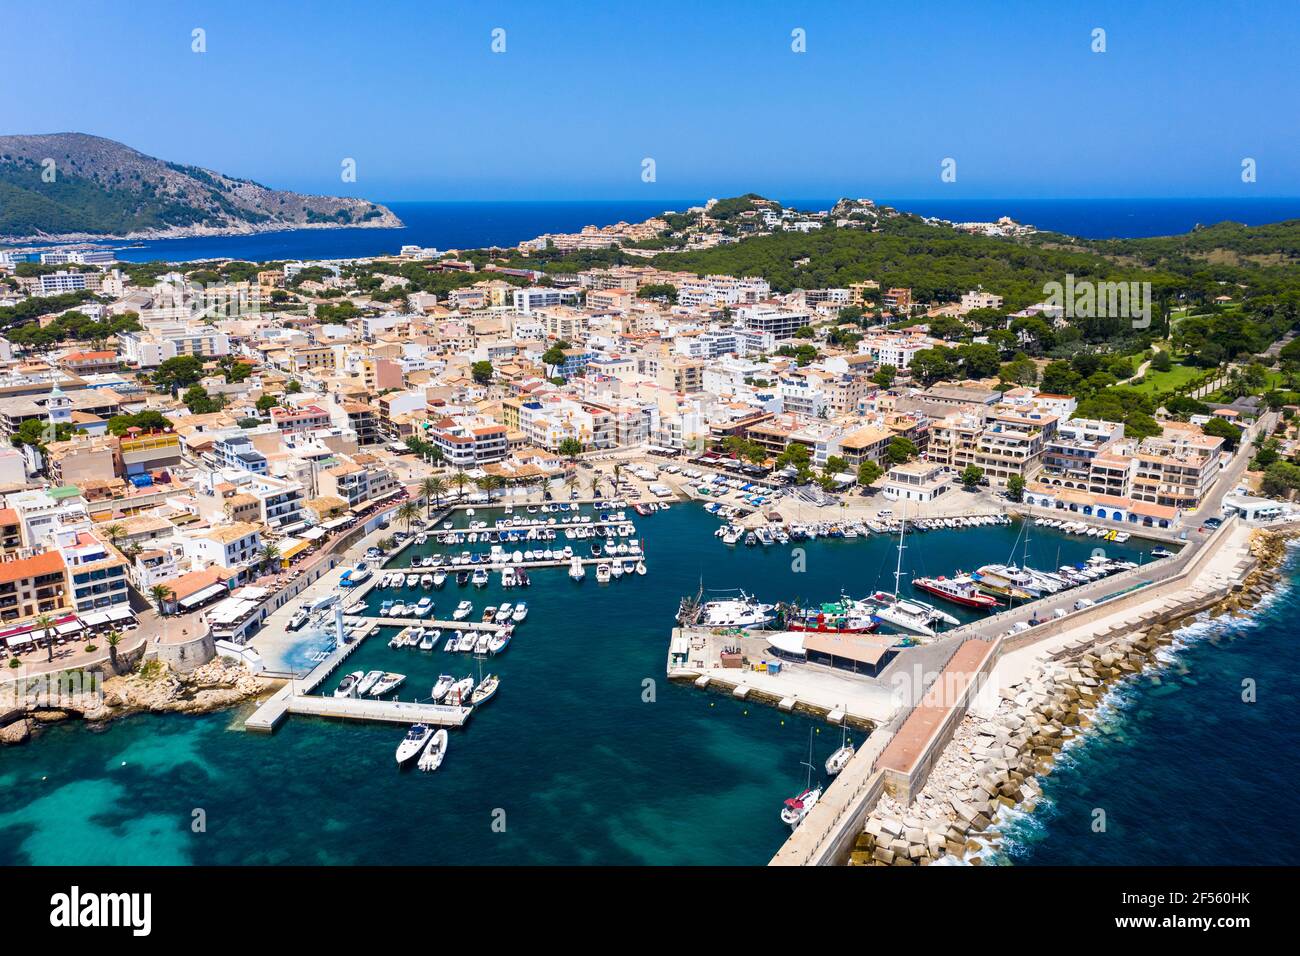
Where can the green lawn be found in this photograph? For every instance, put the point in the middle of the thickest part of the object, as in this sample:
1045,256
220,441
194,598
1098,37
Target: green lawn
1176,377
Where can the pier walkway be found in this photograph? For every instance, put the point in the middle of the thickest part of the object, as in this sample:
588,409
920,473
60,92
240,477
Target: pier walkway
388,711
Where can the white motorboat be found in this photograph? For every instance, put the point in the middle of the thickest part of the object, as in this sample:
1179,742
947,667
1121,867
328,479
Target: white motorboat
503,613
412,580
602,573
423,607
616,568
576,571
459,693
430,639
439,579
640,567
413,743
426,581
520,612
399,610
466,642
480,578
367,683
359,574
434,753
298,620
386,684
441,687
348,685
743,611
508,577
483,642
486,690
463,610
499,641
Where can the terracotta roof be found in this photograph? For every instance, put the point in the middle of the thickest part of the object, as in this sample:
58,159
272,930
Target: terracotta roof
48,562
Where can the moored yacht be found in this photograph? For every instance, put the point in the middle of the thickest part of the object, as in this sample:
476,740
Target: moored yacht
463,610
348,685
415,740
961,589
434,753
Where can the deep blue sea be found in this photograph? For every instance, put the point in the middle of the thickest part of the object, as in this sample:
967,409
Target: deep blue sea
583,766
467,225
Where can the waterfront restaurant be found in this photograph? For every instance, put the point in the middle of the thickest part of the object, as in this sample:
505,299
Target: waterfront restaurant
860,653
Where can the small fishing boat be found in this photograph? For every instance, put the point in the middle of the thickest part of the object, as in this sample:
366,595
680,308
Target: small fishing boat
434,753
413,743
486,690
348,685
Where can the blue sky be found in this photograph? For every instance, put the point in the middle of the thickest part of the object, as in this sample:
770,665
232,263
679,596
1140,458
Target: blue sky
710,89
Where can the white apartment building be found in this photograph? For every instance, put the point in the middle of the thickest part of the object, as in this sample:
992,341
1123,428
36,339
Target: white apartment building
540,297
155,345
980,300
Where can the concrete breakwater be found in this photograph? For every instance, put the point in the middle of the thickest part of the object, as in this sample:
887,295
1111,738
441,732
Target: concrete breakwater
998,752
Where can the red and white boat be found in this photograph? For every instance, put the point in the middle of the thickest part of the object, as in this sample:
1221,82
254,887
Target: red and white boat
961,589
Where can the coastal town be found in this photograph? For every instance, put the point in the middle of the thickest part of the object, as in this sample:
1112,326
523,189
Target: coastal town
231,475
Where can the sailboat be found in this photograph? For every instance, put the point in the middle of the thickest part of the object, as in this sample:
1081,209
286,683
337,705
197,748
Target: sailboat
907,614
798,807
840,759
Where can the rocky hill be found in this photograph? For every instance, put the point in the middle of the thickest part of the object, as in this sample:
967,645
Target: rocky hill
101,188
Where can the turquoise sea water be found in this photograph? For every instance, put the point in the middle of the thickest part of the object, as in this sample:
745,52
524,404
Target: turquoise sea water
582,767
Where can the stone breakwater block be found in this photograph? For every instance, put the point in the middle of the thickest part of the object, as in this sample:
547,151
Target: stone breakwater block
883,854
891,827
873,827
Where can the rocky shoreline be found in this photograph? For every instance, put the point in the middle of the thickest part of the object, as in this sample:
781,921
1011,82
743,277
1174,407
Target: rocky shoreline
153,688
387,221
992,765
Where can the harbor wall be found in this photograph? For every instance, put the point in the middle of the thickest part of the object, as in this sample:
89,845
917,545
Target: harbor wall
827,836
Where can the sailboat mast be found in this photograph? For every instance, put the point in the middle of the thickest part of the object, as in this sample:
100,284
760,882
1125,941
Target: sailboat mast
898,571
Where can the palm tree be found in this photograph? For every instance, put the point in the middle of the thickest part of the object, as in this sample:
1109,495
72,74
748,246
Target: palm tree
571,483
132,550
492,483
433,489
460,480
269,554
618,476
45,622
114,532
408,513
160,593
114,639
